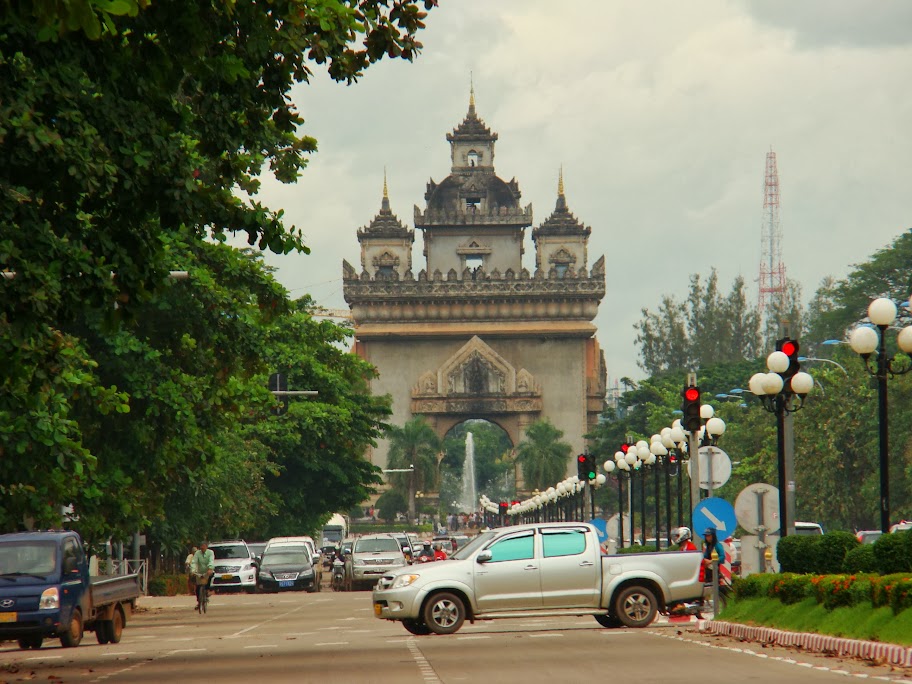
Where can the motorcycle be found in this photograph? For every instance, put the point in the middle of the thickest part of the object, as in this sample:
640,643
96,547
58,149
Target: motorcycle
338,575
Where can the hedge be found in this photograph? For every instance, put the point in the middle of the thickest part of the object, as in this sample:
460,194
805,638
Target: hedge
836,552
893,552
167,585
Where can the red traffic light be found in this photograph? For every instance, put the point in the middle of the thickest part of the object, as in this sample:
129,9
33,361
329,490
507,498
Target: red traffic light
625,447
790,348
581,458
692,394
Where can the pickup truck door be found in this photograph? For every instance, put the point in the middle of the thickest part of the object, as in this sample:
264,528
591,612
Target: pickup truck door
510,580
571,568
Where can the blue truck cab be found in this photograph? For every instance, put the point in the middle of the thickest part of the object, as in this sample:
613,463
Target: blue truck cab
46,591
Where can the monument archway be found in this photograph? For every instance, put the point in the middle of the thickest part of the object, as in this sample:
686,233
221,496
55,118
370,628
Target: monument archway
474,334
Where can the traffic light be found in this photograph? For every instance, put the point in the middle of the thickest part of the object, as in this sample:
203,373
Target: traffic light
691,409
502,507
591,468
582,467
790,348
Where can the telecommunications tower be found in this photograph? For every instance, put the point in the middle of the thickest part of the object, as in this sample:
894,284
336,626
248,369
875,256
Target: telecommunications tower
772,270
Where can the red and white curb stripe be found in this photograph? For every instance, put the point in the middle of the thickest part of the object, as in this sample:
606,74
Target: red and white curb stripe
817,643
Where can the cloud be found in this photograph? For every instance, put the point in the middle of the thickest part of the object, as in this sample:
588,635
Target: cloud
661,114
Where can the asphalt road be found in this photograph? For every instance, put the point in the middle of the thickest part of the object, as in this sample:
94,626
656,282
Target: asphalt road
329,637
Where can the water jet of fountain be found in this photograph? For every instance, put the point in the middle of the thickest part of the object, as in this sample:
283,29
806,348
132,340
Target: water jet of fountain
469,499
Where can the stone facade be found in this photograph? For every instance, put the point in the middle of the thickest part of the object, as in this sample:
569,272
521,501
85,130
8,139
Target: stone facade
473,334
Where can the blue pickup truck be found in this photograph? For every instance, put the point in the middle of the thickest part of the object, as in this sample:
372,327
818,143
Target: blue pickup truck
46,591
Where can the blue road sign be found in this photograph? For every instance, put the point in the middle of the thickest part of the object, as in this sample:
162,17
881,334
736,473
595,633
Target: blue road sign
715,512
601,527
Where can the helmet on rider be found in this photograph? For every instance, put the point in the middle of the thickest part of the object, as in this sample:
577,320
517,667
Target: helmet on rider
680,535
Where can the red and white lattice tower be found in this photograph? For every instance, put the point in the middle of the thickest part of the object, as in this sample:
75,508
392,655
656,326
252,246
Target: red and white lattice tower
772,270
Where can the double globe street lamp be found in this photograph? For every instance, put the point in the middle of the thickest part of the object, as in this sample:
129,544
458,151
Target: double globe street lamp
782,391
866,341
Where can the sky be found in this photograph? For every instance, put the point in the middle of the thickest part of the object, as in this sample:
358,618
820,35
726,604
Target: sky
660,113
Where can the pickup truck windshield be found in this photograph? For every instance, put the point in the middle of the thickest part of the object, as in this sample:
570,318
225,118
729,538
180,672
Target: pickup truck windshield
28,558
471,546
376,546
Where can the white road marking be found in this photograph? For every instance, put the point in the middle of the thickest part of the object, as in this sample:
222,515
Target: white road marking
332,643
465,638
544,636
252,627
119,653
45,658
263,646
186,650
180,639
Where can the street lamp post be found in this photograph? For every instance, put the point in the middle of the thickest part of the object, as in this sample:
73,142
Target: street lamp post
782,399
865,341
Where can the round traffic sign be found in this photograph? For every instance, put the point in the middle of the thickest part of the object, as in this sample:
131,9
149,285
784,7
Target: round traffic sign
758,503
721,467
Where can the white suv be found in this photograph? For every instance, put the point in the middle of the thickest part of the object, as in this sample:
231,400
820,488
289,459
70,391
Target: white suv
235,566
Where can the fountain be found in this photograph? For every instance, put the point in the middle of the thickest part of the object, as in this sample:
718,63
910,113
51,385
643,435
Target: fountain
469,499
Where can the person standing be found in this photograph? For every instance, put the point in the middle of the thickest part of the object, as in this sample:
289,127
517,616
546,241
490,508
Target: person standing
201,568
191,585
711,543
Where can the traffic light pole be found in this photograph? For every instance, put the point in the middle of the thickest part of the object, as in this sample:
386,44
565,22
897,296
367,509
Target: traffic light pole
780,462
788,427
693,447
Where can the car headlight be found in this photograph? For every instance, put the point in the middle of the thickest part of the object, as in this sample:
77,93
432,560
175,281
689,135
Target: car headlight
265,573
403,581
247,568
399,561
50,599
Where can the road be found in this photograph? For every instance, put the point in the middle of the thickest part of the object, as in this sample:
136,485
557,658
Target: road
334,637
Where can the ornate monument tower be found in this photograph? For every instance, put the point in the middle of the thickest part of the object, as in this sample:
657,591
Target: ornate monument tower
474,334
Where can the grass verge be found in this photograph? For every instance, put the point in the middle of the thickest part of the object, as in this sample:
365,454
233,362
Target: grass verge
853,622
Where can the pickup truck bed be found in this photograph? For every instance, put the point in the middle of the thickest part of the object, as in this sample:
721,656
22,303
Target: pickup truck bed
118,589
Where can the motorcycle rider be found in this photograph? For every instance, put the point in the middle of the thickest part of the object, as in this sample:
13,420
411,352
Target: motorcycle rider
439,553
682,537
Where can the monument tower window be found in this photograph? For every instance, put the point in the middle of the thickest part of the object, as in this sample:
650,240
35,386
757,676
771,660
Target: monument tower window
474,261
473,158
473,204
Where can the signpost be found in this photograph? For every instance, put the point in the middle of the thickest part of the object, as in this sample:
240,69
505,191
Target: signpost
715,468
757,509
715,512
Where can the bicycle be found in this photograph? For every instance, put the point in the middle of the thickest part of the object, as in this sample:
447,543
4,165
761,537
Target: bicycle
203,582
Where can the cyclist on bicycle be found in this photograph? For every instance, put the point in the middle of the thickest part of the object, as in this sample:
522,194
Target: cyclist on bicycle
202,566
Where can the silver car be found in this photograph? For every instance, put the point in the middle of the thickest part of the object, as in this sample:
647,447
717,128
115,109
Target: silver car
373,555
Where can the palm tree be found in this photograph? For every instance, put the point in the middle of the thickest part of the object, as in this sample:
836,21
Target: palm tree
414,445
543,456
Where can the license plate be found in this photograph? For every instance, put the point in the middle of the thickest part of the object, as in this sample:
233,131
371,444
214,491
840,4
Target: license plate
378,609
8,617
286,583
227,577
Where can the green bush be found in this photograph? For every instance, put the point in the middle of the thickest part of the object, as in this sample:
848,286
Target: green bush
831,550
893,552
861,559
753,586
834,591
894,591
798,554
167,585
791,588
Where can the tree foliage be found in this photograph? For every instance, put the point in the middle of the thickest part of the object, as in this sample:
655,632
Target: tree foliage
494,468
707,328
544,458
414,447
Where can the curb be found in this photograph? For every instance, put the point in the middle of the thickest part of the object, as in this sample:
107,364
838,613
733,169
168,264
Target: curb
816,643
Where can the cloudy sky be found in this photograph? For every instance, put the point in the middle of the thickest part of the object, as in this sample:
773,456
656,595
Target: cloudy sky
661,114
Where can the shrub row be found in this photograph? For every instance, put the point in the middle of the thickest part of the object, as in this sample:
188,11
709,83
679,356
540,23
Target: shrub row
832,591
167,585
836,552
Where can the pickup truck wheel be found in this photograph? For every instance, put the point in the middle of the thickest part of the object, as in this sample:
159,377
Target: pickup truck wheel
635,606
608,621
444,613
102,630
416,627
116,625
73,635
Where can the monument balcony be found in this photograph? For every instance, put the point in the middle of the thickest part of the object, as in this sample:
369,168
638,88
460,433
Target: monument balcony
463,216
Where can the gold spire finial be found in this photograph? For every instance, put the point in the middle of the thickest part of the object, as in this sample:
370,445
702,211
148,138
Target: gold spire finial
471,91
560,181
385,191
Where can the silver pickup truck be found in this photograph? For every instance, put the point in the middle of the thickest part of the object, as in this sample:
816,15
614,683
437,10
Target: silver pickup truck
541,569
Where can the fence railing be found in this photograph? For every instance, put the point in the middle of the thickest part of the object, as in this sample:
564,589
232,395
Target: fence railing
128,566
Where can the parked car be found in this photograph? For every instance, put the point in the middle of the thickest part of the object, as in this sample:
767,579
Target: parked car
256,548
901,526
235,566
373,555
808,529
868,536
287,566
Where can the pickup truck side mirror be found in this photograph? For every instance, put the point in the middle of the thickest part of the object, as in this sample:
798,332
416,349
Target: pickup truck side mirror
484,556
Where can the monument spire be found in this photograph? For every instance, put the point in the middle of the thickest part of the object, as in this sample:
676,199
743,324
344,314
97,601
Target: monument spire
471,95
385,205
561,200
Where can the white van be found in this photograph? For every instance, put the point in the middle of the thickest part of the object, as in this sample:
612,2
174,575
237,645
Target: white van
808,529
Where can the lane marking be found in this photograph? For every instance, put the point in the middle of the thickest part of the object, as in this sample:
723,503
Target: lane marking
466,638
543,636
45,658
119,653
186,650
252,627
333,643
263,646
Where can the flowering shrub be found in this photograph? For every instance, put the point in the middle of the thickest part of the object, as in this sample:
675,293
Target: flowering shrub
834,591
894,591
791,588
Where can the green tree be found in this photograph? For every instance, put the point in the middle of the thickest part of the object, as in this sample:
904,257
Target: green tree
414,445
125,126
543,456
494,472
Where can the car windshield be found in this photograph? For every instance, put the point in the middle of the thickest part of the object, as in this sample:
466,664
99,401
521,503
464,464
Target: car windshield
471,546
807,531
376,545
231,551
286,557
28,558
257,549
